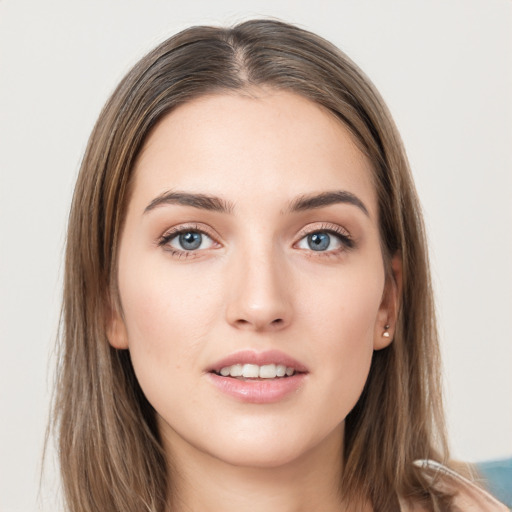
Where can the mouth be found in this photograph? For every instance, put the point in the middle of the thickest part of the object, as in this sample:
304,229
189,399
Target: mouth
254,377
247,364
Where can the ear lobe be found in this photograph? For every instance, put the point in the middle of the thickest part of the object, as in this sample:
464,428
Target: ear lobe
116,330
387,316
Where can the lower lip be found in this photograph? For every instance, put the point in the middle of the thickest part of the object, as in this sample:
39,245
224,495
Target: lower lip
258,391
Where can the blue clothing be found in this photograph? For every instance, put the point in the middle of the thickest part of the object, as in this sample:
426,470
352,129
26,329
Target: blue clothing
498,478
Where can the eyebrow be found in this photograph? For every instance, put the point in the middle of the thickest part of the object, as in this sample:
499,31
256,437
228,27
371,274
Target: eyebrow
310,202
216,204
201,201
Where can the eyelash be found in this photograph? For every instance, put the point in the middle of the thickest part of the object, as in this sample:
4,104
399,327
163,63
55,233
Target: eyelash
341,234
168,236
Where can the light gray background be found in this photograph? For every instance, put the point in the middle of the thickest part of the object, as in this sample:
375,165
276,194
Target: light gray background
443,66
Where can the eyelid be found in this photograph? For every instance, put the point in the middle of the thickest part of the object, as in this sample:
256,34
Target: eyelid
323,226
342,233
174,231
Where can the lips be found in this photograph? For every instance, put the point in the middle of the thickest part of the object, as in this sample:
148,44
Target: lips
258,378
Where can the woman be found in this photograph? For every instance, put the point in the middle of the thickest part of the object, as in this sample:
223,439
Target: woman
248,315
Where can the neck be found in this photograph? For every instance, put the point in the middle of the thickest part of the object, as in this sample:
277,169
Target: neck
203,483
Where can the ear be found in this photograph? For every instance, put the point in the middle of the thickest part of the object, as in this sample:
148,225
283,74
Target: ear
117,334
385,325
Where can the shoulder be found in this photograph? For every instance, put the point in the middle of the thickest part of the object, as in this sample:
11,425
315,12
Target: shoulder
467,496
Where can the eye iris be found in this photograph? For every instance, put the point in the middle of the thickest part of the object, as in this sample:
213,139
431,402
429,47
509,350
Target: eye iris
190,241
319,241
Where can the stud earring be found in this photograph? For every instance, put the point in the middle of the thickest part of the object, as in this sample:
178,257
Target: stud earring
386,333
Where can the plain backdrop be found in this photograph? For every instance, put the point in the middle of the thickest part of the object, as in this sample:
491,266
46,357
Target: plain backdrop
443,66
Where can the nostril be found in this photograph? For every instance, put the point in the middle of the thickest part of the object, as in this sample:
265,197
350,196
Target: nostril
242,322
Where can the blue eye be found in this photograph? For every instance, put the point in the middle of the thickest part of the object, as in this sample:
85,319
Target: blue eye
187,240
190,241
318,241
325,240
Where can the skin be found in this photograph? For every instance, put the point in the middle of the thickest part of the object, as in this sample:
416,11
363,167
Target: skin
253,284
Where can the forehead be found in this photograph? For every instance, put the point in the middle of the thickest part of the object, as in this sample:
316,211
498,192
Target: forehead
261,145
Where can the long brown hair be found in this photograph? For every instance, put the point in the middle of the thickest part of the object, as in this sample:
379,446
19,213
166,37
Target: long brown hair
110,451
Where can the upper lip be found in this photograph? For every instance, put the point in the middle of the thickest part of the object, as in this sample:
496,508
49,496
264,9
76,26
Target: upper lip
259,358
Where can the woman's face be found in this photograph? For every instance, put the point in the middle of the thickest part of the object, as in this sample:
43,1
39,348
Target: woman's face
251,281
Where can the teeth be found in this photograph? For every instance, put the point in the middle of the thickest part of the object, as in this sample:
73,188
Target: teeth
268,371
236,370
253,371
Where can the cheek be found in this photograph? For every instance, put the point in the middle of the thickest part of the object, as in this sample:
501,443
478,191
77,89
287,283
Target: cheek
342,323
158,300
345,303
167,317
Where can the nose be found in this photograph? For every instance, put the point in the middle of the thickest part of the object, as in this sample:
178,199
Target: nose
259,292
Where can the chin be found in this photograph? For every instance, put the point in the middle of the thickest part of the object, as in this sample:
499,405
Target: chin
253,439
260,457
271,449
